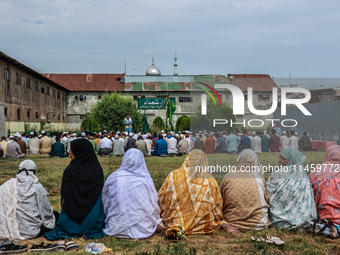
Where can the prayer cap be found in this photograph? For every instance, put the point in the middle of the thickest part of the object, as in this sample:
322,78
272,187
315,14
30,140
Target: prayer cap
28,165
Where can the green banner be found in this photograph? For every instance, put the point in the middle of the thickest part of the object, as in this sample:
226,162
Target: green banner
153,103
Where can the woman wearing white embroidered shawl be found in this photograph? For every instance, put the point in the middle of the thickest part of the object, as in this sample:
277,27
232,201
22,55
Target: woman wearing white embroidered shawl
130,200
292,204
245,197
26,211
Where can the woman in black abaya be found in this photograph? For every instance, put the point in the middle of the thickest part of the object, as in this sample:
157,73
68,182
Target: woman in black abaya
82,211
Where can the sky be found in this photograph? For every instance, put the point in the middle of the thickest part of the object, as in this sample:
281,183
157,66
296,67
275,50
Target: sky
276,37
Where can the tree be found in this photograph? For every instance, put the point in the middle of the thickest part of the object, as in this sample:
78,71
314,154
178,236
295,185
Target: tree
179,121
111,110
159,123
90,123
201,122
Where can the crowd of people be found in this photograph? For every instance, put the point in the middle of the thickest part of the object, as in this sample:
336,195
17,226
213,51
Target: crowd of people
127,204
162,144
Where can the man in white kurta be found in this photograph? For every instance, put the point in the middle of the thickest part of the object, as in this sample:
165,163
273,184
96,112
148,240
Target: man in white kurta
257,143
172,145
294,141
284,141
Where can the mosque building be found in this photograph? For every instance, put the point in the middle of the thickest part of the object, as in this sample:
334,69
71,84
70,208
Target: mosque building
66,98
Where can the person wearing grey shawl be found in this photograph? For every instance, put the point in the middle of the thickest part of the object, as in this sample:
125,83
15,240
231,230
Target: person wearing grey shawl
26,211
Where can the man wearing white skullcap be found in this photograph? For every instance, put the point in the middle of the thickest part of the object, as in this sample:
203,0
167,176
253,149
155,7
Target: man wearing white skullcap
45,144
118,146
25,206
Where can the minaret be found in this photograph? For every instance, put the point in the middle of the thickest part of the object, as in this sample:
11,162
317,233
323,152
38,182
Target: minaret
175,65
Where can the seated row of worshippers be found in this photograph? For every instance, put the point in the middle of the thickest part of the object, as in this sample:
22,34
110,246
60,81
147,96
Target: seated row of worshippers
188,198
162,144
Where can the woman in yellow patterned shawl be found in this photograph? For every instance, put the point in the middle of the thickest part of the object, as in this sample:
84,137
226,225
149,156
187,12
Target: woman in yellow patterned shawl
190,197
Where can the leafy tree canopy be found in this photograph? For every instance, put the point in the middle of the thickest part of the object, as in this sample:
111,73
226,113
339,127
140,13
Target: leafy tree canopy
111,110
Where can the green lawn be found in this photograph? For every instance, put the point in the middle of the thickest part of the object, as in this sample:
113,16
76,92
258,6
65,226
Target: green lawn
50,172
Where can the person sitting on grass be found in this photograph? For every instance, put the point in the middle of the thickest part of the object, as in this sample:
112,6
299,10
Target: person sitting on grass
82,212
305,144
245,197
325,181
190,197
25,210
160,148
13,149
58,149
292,204
131,214
209,144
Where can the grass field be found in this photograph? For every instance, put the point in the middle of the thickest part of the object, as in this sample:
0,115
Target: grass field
50,172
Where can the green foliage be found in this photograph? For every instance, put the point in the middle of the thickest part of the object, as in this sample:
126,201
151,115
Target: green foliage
185,124
111,110
159,123
179,121
30,127
201,122
90,123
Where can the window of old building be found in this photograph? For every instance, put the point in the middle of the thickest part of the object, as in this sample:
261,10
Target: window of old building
28,114
36,86
48,90
58,95
185,99
18,114
6,73
6,112
18,78
263,97
100,97
81,98
8,89
58,117
28,83
53,93
36,115
42,90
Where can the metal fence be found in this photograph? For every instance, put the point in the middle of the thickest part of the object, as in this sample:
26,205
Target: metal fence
324,124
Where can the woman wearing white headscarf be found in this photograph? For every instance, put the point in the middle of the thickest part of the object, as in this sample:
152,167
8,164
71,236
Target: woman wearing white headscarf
245,197
292,203
26,211
130,200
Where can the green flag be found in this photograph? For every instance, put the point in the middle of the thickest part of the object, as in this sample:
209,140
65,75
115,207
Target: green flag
170,110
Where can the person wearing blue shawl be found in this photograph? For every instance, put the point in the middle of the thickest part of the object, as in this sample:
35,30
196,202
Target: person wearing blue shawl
292,204
160,148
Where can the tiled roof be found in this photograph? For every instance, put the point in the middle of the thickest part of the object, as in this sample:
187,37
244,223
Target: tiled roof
259,82
89,82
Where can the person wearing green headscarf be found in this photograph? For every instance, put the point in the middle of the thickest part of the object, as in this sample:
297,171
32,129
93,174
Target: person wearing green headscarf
292,204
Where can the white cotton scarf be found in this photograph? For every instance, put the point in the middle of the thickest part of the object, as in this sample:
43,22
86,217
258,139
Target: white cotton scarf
130,199
8,211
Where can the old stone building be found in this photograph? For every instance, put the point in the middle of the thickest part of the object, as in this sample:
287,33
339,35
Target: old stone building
26,96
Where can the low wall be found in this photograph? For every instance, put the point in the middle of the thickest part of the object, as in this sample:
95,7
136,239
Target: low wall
322,145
